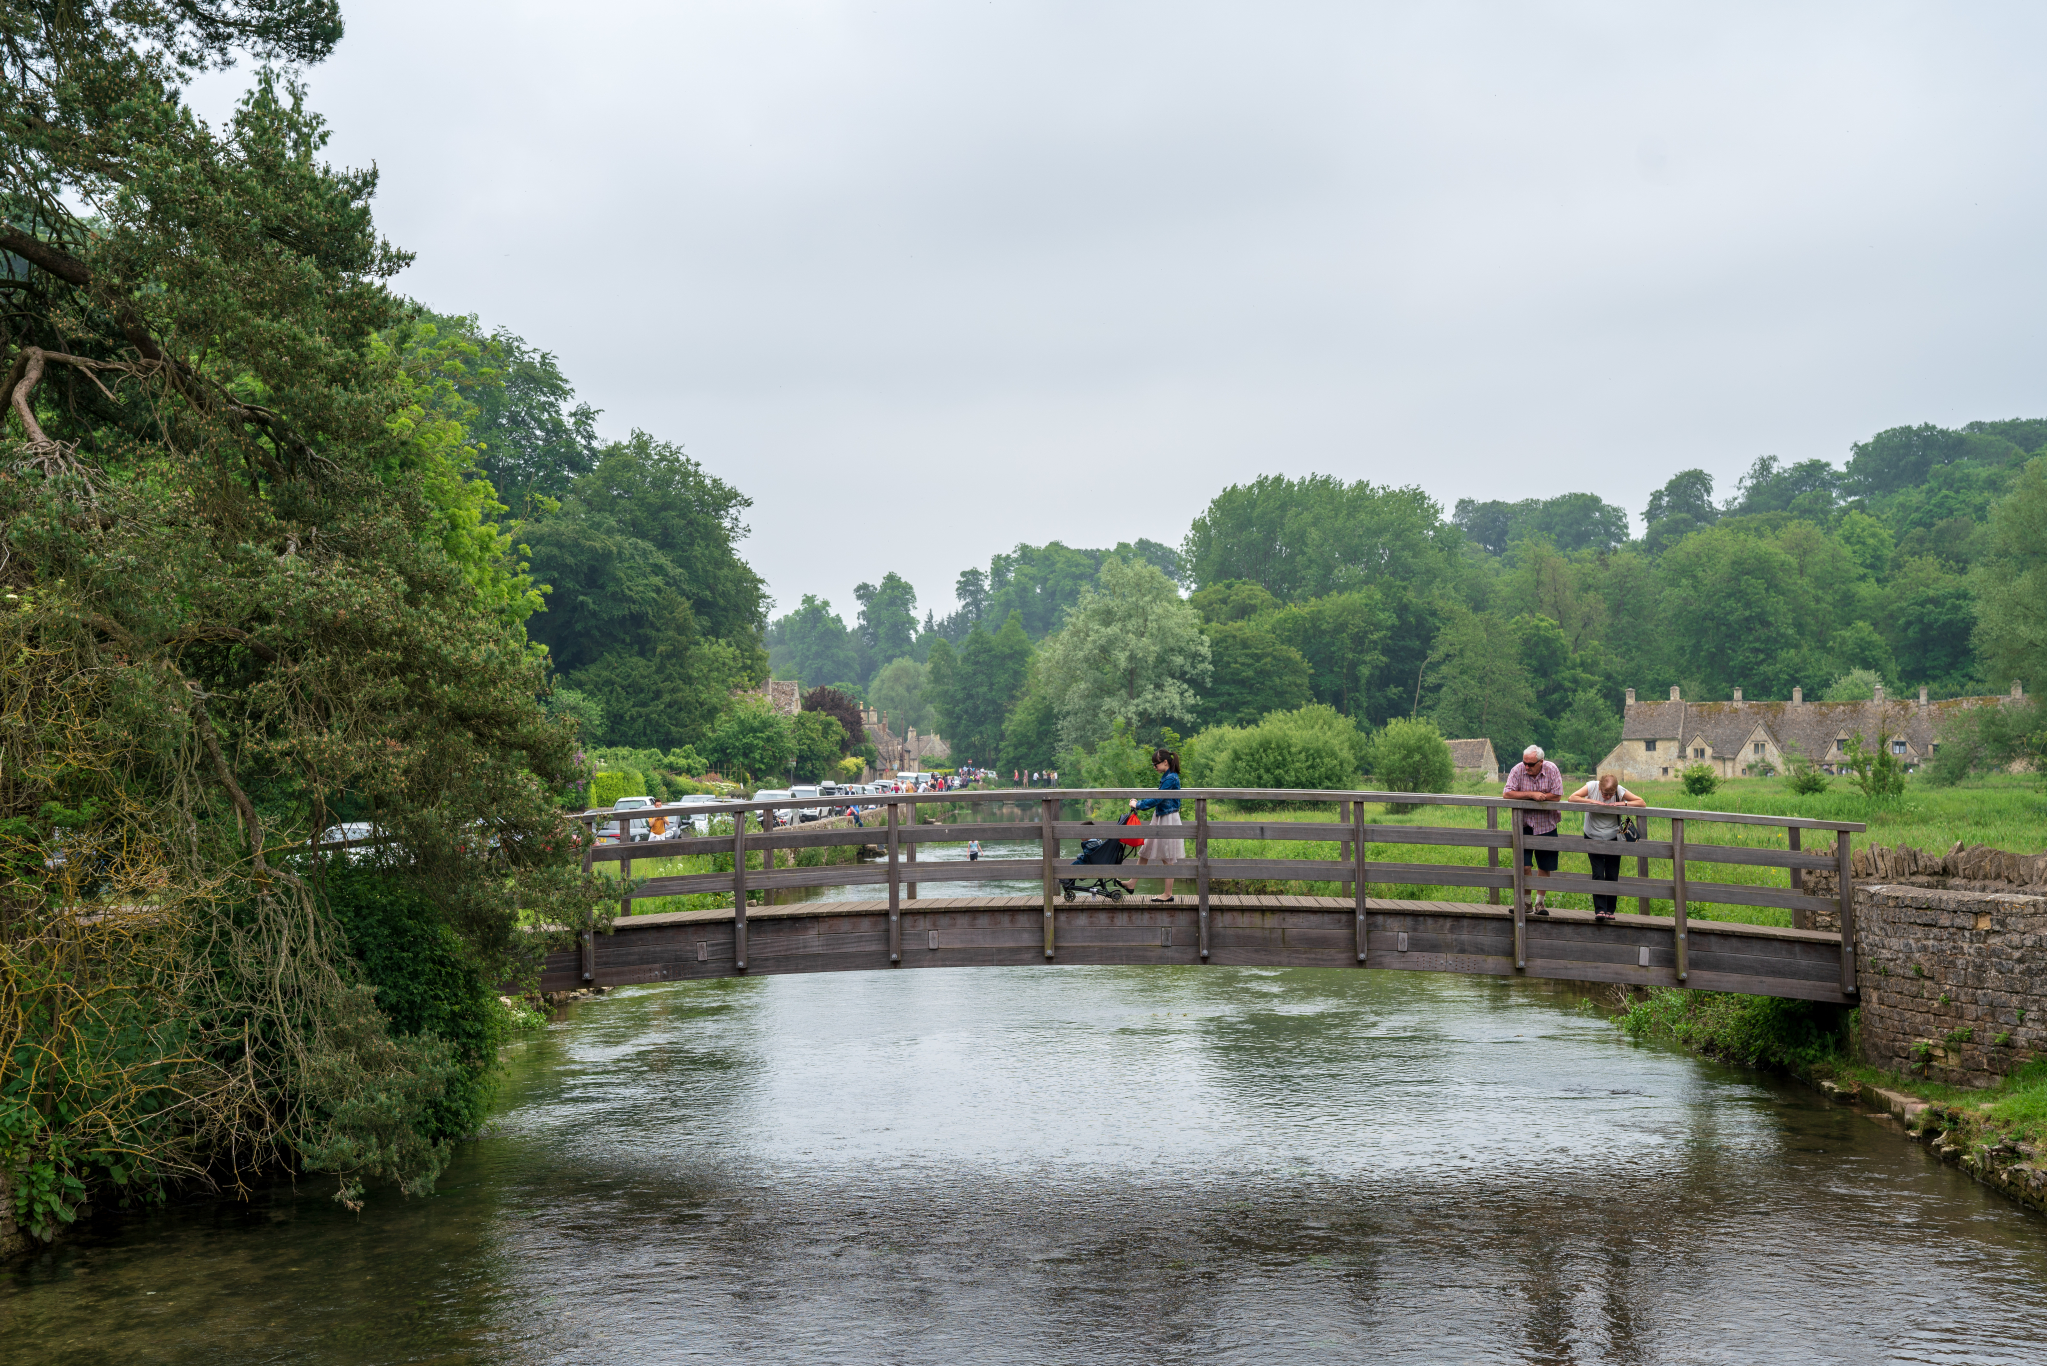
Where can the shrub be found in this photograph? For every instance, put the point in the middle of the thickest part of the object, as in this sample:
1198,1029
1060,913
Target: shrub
1286,751
1756,1031
1878,772
608,787
1806,781
1411,756
428,987
1203,758
1699,781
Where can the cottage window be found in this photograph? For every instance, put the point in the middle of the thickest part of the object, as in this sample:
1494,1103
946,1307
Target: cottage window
1648,746
1666,773
1897,746
1759,747
1699,753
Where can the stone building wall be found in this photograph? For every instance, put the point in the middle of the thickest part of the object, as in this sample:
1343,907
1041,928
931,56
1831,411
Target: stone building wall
1953,982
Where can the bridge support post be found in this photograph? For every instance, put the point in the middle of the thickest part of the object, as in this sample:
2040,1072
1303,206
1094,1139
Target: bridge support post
1357,873
1520,895
1201,870
910,857
1492,853
1844,873
739,892
895,889
1049,815
1677,892
1642,870
1800,920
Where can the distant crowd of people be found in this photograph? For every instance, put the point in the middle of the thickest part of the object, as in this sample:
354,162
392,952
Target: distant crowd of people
1036,777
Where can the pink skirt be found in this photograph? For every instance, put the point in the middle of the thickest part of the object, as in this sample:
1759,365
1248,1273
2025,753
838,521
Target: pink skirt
1163,850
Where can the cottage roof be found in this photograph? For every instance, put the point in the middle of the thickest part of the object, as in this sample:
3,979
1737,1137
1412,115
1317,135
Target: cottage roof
1476,754
1814,729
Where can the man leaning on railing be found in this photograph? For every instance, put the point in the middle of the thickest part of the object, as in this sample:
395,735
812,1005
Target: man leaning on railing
1536,779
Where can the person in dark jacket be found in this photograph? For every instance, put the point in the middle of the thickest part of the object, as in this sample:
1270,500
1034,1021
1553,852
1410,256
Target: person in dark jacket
1164,811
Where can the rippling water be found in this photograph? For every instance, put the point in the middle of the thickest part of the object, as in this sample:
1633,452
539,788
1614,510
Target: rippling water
1040,1165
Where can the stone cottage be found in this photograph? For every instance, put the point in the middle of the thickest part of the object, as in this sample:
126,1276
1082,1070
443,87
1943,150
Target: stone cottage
1662,739
1475,756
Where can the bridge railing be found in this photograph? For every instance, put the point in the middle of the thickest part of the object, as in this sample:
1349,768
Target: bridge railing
901,830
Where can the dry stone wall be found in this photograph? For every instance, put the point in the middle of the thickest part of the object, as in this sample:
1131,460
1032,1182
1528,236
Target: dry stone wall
1953,982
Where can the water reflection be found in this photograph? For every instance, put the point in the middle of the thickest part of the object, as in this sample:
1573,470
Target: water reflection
1089,1165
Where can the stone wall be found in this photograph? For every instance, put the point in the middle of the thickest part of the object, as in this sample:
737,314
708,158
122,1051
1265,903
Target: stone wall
1953,982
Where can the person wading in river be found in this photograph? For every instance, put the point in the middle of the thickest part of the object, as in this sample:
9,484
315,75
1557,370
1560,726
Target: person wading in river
1164,811
1605,826
1535,779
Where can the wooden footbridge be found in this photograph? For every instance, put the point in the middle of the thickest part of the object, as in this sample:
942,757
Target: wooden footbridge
894,929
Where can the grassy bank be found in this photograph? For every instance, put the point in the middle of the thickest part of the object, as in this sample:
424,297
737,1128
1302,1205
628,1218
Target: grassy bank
1815,1042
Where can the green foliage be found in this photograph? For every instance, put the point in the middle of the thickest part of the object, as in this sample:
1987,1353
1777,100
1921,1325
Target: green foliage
1118,760
1988,739
1588,732
1878,773
2011,587
984,690
813,643
1311,748
842,708
1253,673
817,740
1204,758
428,986
888,620
1805,778
1857,685
751,741
897,692
1411,756
607,788
1030,734
1699,780
1232,600
1343,637
1131,651
1754,1031
1570,521
1483,687
1304,538
586,711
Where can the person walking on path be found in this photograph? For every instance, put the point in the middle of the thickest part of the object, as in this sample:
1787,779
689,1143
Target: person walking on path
1164,811
1536,779
1605,826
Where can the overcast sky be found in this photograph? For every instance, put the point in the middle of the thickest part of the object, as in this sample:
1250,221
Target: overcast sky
926,280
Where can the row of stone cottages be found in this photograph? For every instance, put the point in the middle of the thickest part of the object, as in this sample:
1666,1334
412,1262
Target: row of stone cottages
1659,739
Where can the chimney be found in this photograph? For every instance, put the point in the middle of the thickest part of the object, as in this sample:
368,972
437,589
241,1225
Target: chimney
1797,696
2018,689
1879,694
1631,697
1922,694
1737,694
1673,694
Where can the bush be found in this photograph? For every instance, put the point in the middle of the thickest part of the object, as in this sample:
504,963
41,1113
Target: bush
608,787
1699,781
1806,781
1878,772
1411,756
1203,757
1277,754
1755,1031
1118,761
751,740
428,987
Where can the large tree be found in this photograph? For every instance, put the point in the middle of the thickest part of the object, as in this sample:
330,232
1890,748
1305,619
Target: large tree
252,585
2011,587
1131,651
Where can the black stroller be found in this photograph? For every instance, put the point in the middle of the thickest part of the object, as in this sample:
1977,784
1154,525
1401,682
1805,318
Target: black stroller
1107,852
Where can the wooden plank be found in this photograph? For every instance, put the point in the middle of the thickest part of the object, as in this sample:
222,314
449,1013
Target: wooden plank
1489,838
1677,893
909,857
696,845
1520,872
1642,861
841,875
1743,894
1360,881
1048,823
961,832
1278,830
895,887
739,893
1575,844
1799,919
1756,858
1201,870
1492,853
1844,872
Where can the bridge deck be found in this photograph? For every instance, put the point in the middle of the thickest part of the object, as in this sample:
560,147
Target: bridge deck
1243,931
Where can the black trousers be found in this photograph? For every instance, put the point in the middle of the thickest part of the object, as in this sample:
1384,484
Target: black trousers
1605,868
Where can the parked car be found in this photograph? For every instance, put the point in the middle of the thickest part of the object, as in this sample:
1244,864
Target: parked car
347,831
775,794
701,822
635,830
807,813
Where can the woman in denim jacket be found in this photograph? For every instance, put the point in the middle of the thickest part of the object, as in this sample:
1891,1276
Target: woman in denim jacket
1164,811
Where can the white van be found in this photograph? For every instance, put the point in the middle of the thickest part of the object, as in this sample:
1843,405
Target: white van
701,821
811,791
775,794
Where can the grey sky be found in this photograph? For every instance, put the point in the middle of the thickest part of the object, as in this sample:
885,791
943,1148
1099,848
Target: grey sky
926,280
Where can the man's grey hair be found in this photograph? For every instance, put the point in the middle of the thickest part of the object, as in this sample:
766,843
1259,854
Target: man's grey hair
1536,750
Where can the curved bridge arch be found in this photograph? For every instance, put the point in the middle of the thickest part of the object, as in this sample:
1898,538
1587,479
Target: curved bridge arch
896,929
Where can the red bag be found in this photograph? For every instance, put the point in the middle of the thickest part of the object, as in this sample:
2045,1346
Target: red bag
1132,818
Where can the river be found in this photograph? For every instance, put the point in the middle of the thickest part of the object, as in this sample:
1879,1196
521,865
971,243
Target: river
1087,1165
